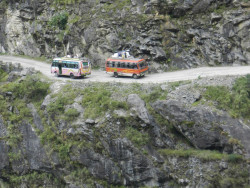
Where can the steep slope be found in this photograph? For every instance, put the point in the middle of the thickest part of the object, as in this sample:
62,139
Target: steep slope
73,134
172,34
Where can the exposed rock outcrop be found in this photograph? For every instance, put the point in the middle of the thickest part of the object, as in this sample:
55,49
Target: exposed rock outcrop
62,140
171,34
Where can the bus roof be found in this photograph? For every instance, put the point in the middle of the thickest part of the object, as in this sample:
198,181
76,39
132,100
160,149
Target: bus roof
131,60
70,59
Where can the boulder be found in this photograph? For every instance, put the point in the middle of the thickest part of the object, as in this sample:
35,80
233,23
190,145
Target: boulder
138,108
204,127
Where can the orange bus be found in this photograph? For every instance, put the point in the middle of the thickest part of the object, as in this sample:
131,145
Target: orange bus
126,67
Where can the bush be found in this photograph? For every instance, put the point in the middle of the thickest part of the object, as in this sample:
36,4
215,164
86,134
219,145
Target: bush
31,88
206,155
97,101
136,137
236,102
71,114
59,20
3,75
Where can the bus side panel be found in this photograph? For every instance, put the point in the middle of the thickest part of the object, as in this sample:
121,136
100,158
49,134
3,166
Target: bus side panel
67,71
85,71
122,70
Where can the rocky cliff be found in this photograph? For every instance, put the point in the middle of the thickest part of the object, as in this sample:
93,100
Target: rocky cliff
172,34
74,134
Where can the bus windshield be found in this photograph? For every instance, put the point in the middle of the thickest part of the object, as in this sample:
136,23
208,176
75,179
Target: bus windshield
143,65
85,65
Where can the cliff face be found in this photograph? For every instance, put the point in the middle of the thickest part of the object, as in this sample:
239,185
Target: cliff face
172,34
113,135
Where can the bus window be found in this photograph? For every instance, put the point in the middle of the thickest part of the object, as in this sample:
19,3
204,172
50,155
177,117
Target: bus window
135,66
118,64
85,65
128,66
54,64
76,66
108,64
113,64
123,65
142,65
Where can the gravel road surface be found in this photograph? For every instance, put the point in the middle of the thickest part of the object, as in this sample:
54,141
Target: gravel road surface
102,76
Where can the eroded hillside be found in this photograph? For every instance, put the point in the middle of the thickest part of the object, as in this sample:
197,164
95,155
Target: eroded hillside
171,33
74,134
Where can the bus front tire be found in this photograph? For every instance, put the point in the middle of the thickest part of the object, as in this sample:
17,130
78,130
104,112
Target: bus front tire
115,74
72,76
135,76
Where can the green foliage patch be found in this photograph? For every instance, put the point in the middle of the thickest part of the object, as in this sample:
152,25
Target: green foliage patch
136,137
97,101
59,20
236,102
33,179
3,76
206,155
31,88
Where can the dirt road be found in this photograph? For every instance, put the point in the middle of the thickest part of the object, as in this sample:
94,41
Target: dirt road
101,76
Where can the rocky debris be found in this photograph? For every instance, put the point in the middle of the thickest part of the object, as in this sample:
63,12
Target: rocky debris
186,94
216,81
138,108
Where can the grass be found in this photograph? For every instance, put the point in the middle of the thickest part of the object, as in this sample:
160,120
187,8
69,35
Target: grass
205,155
236,101
97,101
30,89
138,138
3,76
32,179
59,20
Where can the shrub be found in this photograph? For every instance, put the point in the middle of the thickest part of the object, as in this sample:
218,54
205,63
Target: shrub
59,20
97,101
206,155
234,158
71,114
3,75
237,102
31,88
136,137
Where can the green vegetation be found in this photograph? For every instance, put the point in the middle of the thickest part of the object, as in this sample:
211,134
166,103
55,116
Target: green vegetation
59,20
30,89
71,114
138,138
14,108
236,102
116,5
68,2
3,76
97,101
65,97
205,155
4,4
33,179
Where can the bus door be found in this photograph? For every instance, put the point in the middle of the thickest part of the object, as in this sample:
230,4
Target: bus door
60,68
